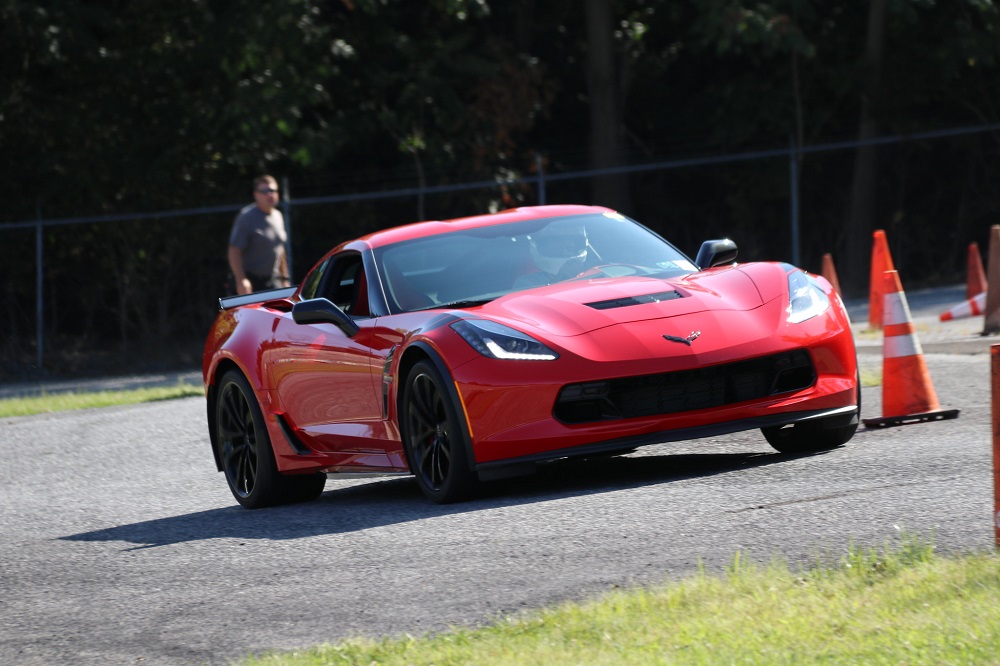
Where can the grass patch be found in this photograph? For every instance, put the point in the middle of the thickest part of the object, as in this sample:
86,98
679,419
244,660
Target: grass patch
61,402
867,333
875,607
871,377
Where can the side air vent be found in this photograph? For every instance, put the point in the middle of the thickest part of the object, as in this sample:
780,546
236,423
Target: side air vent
635,300
290,435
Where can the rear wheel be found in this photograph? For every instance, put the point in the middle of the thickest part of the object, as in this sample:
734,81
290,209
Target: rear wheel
246,454
433,438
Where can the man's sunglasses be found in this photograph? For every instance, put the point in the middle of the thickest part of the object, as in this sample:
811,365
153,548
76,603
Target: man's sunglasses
266,190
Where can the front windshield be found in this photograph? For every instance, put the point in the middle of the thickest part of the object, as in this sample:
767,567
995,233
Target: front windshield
472,266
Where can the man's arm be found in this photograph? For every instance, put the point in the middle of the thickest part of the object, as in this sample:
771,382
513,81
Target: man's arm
283,269
243,285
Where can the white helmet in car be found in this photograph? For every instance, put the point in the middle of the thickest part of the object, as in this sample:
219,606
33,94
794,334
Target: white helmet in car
560,248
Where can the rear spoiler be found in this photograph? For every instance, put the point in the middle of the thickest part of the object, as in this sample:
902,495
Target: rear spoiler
230,302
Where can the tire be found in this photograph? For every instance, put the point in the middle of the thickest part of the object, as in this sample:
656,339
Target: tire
816,435
245,451
433,438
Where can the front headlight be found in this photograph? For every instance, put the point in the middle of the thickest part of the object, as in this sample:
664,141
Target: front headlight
495,340
806,298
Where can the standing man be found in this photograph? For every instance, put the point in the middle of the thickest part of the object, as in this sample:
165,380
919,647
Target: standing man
257,242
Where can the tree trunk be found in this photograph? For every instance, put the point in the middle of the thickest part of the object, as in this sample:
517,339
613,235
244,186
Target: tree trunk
861,214
605,91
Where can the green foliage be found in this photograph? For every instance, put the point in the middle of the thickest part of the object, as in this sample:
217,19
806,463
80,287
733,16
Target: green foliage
135,106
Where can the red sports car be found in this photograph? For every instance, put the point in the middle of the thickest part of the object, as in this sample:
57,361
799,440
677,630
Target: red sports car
472,349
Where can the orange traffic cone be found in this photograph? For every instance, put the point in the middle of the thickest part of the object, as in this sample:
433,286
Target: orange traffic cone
830,273
881,262
907,393
967,308
991,323
975,276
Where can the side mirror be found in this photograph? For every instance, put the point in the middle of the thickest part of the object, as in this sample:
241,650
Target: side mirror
716,253
323,311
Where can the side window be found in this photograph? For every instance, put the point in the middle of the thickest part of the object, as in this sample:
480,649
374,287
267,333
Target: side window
346,285
314,279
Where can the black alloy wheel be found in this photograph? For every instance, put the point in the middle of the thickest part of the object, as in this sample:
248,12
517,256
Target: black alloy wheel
810,436
818,435
434,441
245,451
237,440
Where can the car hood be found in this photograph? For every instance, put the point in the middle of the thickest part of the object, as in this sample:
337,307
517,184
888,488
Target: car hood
577,307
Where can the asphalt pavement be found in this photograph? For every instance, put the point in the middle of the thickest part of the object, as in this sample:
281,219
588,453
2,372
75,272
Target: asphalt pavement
123,545
960,336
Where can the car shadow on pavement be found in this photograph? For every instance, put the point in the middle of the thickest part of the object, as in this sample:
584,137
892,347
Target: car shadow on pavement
390,501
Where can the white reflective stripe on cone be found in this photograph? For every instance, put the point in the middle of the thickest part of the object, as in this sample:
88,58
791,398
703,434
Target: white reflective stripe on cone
897,346
897,311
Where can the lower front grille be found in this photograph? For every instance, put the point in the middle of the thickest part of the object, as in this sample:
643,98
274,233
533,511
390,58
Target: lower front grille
686,390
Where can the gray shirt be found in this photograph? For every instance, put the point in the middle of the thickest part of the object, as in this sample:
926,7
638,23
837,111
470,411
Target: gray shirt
261,238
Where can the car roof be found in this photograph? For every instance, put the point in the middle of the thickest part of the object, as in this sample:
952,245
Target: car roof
432,228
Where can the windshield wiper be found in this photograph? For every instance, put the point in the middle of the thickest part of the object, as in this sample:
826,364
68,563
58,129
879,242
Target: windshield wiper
459,305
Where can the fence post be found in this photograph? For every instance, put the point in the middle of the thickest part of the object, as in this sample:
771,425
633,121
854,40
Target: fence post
995,409
39,297
540,167
793,169
286,206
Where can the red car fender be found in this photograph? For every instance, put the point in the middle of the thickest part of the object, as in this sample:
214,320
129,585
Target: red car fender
226,348
426,348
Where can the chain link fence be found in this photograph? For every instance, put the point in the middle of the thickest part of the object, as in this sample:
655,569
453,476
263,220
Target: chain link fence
128,292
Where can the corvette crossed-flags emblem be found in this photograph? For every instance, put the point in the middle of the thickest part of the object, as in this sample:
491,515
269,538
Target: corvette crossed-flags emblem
684,341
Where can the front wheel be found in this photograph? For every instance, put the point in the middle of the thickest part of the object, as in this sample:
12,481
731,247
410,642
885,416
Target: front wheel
245,451
818,435
810,436
434,441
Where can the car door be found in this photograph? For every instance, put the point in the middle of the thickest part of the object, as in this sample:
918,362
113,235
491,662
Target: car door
323,377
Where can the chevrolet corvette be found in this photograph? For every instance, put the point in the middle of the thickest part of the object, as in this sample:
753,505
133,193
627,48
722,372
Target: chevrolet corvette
473,349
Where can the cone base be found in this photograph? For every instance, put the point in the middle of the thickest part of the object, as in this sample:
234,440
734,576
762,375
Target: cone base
888,421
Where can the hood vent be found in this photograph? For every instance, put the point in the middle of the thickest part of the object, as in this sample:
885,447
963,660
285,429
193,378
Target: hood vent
635,300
